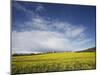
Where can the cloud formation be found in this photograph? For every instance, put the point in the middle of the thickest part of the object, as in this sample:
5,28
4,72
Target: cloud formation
41,34
44,36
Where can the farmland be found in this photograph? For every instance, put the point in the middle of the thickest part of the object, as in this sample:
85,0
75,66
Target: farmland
52,62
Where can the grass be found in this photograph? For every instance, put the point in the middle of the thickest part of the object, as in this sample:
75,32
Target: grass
52,62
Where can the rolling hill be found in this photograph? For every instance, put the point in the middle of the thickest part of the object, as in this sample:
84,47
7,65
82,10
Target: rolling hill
89,50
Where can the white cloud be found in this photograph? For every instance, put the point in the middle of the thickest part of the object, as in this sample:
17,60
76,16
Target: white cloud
38,41
39,8
22,8
43,41
75,31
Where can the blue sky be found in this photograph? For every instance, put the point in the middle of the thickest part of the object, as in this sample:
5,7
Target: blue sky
42,27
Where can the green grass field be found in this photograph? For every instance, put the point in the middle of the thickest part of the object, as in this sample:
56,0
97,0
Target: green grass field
52,62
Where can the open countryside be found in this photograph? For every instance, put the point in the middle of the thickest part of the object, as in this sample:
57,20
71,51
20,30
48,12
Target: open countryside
52,62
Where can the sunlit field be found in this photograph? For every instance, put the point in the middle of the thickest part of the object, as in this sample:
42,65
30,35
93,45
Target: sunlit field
52,62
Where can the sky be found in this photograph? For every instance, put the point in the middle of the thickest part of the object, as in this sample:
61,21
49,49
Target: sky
48,27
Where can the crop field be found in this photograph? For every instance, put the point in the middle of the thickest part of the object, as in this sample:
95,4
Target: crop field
52,62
